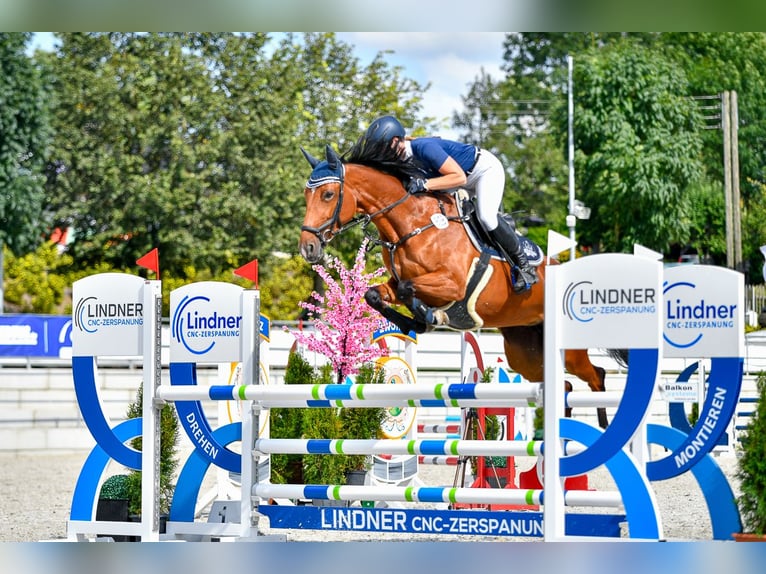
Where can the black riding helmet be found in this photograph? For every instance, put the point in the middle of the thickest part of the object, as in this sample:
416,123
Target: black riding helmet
383,130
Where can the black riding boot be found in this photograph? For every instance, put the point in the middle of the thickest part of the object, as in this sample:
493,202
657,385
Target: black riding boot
509,244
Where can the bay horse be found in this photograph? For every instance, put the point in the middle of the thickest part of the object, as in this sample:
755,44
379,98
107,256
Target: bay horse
435,269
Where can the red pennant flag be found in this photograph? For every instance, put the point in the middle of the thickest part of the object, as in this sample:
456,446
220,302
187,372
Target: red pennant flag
249,271
150,261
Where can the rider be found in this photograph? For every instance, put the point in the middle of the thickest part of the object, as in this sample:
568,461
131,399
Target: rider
448,165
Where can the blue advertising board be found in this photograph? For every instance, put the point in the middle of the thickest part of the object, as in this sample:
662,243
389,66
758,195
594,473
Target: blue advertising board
35,336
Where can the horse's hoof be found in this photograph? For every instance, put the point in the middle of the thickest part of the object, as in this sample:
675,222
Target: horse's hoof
372,298
405,291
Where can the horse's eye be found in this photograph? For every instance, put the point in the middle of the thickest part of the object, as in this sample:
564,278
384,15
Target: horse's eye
328,195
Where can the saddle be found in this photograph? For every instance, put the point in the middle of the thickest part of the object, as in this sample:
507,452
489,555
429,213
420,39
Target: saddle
462,315
466,207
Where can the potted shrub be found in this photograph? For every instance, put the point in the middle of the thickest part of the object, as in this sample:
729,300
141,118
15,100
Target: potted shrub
306,423
323,423
288,423
326,423
343,326
113,498
751,471
168,460
362,423
113,502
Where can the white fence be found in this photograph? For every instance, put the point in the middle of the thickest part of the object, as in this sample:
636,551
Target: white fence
755,301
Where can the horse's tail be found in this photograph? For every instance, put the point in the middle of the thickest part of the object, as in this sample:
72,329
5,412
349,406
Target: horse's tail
620,356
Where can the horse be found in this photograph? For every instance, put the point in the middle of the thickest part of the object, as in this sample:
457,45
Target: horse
437,272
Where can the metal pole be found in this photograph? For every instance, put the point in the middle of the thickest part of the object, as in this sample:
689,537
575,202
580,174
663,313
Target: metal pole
151,412
571,219
250,344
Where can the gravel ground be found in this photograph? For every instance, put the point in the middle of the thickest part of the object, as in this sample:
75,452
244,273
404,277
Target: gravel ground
38,491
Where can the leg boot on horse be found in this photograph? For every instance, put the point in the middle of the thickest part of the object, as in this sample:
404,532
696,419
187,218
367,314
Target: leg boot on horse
509,244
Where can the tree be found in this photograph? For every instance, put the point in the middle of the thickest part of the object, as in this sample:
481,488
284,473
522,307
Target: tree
716,62
141,153
498,117
24,137
534,90
515,121
638,144
37,282
706,223
189,142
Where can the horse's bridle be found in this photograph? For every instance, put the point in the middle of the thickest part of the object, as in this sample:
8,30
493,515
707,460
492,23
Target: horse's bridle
325,232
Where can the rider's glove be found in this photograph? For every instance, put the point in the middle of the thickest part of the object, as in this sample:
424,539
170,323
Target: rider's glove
416,185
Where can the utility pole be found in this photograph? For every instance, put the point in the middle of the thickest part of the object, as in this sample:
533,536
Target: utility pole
735,195
730,126
725,119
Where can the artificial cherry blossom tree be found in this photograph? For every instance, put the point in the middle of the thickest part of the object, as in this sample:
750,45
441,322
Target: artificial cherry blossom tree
343,322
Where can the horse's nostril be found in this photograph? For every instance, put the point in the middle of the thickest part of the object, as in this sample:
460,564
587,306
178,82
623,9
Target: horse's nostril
310,252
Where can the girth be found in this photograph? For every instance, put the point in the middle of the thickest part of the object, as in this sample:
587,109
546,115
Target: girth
462,314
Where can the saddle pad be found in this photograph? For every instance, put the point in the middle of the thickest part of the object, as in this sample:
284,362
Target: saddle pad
473,227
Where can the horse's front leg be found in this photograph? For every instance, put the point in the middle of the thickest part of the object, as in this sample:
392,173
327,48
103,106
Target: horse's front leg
405,292
439,289
381,297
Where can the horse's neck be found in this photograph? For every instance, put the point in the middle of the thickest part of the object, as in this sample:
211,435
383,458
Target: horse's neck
377,195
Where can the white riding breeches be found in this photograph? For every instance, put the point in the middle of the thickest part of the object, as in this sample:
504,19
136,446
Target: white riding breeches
487,182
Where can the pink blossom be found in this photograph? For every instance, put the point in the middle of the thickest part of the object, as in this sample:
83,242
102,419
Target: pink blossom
343,322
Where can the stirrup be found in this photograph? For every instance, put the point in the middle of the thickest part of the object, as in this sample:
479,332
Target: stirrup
521,282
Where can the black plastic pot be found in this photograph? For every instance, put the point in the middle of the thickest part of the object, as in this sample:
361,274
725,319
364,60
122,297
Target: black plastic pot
113,510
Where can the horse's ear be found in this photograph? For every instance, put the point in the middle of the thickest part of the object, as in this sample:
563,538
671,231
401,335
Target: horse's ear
310,158
332,157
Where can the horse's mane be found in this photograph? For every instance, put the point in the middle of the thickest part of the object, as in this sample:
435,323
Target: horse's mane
382,157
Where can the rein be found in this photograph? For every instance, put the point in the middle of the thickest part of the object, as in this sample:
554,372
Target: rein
325,232
391,247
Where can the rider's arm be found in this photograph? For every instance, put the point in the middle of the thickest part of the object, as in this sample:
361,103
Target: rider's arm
452,176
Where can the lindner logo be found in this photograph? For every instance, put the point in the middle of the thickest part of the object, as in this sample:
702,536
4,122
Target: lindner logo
582,302
90,315
196,326
688,316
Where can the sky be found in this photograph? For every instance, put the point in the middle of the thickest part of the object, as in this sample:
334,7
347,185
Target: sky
449,61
